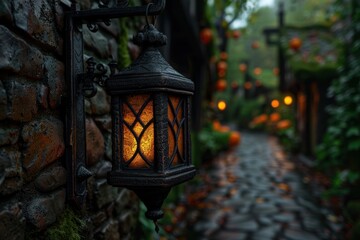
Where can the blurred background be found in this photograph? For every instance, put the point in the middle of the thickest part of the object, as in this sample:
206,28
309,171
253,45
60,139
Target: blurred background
287,69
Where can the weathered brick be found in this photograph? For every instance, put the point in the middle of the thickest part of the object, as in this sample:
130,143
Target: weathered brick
10,171
44,211
100,102
9,134
95,146
21,99
3,102
55,78
36,17
51,179
12,222
44,144
17,56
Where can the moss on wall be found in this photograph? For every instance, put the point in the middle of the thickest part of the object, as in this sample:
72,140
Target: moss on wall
69,226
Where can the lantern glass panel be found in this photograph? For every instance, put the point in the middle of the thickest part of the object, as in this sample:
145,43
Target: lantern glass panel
138,131
176,126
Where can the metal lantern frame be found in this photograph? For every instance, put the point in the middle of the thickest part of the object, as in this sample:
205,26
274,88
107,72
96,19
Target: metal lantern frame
150,75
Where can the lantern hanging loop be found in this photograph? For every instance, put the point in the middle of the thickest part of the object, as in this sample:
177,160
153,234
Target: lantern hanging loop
147,15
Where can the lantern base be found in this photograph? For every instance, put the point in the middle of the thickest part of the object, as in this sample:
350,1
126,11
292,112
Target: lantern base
134,179
153,199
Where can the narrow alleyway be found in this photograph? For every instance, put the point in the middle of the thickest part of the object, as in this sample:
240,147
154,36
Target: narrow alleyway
255,192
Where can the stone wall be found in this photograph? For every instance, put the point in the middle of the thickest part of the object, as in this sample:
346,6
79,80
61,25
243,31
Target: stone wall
32,173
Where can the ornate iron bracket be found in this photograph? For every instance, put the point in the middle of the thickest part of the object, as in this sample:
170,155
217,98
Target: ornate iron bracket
80,84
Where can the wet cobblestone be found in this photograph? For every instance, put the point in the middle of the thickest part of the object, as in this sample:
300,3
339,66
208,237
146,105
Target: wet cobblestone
256,193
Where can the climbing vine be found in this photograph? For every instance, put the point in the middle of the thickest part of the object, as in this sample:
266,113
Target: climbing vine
339,153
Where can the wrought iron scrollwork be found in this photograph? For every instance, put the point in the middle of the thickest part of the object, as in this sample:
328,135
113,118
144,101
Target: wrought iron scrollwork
96,73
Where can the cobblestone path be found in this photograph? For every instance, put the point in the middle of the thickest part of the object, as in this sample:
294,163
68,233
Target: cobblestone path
256,193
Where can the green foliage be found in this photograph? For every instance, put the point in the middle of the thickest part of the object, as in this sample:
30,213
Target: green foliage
146,226
69,226
123,52
212,142
339,153
289,139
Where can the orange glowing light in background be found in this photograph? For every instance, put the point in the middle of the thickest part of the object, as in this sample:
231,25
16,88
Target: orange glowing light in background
221,105
275,103
288,100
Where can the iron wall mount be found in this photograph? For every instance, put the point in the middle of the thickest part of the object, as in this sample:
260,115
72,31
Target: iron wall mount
75,133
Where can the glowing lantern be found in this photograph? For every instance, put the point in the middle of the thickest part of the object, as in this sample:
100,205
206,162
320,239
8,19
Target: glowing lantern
275,103
221,105
257,71
295,43
243,67
221,85
206,36
288,100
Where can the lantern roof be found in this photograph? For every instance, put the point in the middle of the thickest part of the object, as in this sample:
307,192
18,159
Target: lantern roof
150,71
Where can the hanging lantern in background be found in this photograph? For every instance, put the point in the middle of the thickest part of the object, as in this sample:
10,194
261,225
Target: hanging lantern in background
242,67
255,45
295,43
221,105
257,71
223,56
206,35
221,85
275,103
236,34
288,100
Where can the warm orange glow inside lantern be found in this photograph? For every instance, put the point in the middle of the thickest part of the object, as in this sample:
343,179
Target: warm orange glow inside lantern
275,103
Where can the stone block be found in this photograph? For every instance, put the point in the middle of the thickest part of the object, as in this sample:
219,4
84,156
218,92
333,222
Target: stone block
9,135
103,169
113,29
109,231
127,222
22,105
10,171
12,222
13,48
104,193
95,146
55,75
44,144
104,123
97,42
100,102
108,146
51,179
42,96
44,211
98,219
5,11
3,102
36,18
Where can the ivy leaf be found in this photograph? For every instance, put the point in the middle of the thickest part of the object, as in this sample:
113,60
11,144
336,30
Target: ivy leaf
353,132
354,145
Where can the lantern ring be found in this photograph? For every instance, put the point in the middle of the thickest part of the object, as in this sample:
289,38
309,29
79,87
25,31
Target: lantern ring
147,15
